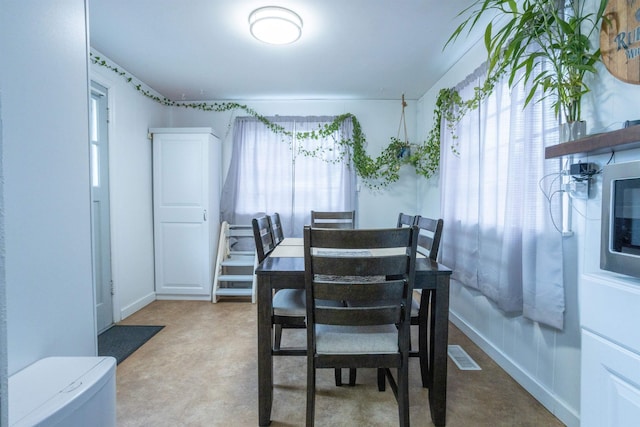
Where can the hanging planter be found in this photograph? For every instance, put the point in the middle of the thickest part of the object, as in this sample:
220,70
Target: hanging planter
404,152
403,147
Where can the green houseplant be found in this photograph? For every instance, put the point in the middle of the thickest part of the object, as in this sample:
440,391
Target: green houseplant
546,43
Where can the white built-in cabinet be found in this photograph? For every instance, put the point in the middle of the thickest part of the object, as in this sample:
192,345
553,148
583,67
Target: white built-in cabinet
186,211
610,388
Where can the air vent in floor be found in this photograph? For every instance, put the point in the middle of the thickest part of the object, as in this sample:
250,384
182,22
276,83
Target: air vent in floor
462,359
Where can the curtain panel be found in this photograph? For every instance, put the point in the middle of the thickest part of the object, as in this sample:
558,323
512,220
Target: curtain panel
500,235
271,173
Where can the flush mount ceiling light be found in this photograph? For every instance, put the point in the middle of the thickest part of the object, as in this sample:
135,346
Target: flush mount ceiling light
275,25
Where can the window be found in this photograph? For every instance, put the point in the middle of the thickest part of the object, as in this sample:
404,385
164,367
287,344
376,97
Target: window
500,235
270,173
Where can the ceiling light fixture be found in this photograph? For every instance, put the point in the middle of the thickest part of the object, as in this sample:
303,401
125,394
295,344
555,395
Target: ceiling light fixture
275,25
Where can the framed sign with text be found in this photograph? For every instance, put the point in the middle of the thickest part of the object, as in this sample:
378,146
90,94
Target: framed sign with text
620,39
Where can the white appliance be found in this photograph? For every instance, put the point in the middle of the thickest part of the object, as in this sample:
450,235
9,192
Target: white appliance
620,243
64,391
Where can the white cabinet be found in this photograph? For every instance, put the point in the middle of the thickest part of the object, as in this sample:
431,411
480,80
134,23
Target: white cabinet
610,380
186,213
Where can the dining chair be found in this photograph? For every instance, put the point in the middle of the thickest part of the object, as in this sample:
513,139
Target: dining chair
276,228
430,233
345,265
288,304
405,220
338,219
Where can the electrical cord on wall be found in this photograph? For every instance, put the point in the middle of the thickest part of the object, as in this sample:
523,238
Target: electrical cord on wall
549,194
557,176
553,221
583,215
588,175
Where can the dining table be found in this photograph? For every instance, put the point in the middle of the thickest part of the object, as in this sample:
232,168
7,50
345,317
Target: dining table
283,268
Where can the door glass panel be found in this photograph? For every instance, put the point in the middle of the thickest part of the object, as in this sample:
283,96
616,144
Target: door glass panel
95,165
94,120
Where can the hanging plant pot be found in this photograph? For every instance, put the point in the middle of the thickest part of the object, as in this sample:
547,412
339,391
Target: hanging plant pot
404,152
573,130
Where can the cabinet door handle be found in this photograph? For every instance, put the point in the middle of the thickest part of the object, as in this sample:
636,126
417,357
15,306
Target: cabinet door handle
204,215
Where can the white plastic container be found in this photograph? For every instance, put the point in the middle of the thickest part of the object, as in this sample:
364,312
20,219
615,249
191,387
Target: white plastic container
64,391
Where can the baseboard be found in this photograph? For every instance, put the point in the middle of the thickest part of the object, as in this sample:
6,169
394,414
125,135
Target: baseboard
137,305
178,297
550,401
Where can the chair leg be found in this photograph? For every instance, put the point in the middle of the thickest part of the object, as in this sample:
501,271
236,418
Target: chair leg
338,375
277,336
422,338
311,392
381,379
424,360
432,336
403,394
352,377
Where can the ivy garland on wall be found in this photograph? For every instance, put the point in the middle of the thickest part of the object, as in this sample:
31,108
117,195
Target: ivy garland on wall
451,107
376,173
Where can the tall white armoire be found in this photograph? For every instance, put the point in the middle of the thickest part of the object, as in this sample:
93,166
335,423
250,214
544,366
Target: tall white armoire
186,211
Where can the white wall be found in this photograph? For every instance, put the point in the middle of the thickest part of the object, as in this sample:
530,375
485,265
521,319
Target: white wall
4,386
49,289
130,175
379,120
545,361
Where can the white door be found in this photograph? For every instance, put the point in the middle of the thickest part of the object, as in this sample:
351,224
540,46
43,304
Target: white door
181,227
101,236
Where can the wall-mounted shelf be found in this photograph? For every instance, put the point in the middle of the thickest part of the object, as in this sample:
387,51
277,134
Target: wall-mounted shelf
621,139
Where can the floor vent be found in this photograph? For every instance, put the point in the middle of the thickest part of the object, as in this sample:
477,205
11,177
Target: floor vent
462,359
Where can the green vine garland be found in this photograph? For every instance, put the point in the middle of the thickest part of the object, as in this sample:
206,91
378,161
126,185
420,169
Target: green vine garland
376,173
451,107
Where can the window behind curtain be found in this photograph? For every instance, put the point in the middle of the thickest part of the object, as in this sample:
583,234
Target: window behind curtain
500,233
269,173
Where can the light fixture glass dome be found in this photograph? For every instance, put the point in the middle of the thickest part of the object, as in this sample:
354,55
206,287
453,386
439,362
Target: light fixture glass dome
275,25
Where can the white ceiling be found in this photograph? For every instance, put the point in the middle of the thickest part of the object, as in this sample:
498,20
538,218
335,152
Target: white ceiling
349,49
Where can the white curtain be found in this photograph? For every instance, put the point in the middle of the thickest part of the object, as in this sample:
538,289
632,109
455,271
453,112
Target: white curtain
500,233
269,173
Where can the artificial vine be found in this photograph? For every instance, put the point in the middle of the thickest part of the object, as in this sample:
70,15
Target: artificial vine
450,107
376,173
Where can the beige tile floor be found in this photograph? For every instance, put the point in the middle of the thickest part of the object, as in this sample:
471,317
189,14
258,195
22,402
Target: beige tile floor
201,370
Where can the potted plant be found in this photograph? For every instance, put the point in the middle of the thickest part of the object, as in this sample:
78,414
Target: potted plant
546,43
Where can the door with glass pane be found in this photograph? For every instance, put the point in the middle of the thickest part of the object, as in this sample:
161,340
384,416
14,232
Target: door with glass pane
100,222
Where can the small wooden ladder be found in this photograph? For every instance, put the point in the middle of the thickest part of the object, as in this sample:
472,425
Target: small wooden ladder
234,274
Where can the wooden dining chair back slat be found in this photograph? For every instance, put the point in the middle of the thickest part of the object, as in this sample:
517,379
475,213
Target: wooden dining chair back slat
430,235
262,236
405,220
338,219
276,228
376,269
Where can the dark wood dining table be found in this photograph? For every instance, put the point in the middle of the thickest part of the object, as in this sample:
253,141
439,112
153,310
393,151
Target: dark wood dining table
284,268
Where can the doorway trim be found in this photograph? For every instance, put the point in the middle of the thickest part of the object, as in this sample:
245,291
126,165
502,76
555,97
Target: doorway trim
104,90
